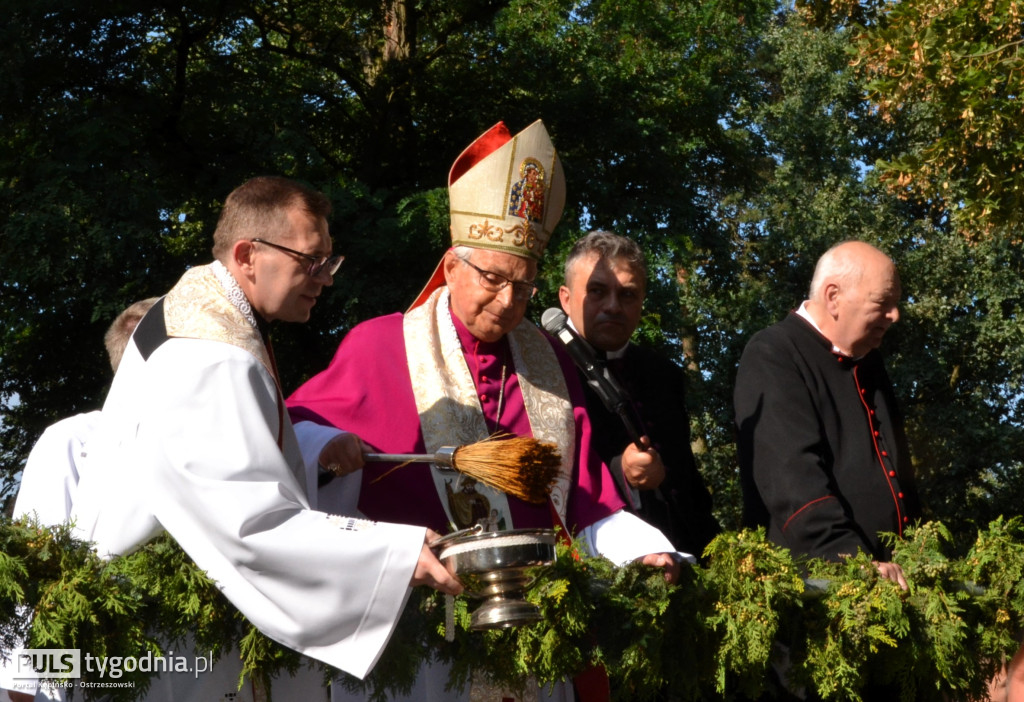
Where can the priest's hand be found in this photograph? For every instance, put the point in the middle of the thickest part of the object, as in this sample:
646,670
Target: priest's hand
643,469
431,572
891,571
343,454
667,562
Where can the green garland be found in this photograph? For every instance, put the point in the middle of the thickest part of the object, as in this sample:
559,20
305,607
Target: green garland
720,633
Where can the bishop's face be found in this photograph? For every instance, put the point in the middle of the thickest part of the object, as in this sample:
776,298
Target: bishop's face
282,288
488,315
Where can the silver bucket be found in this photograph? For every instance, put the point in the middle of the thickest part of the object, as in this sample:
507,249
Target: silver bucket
494,566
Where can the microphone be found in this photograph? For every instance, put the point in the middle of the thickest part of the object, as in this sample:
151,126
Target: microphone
612,395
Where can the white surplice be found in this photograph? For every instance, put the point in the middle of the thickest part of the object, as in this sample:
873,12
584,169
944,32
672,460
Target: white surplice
194,441
49,481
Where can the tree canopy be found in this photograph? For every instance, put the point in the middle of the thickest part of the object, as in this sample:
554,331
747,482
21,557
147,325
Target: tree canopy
951,71
734,139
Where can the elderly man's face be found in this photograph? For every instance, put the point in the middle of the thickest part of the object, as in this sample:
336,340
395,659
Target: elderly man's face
604,298
867,309
282,287
487,315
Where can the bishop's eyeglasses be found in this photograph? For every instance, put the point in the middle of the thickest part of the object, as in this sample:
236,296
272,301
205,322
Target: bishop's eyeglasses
495,282
316,263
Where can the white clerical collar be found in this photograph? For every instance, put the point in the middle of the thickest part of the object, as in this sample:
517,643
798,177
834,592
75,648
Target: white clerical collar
619,353
802,311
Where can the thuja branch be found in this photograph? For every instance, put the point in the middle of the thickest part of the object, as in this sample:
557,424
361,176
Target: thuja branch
717,634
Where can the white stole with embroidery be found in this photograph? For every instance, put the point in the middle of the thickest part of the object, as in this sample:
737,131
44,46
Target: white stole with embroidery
449,406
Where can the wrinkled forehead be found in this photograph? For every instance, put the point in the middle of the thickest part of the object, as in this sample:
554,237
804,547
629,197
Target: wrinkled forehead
882,280
509,265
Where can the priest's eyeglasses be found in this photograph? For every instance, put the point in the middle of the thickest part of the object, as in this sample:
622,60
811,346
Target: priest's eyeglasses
495,282
331,264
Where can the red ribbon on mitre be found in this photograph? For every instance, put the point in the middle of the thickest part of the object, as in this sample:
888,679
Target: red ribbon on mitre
482,147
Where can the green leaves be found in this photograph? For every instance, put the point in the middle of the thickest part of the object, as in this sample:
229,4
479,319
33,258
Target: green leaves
752,583
950,74
731,138
719,633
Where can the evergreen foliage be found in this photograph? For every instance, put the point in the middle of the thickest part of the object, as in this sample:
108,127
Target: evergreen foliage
717,634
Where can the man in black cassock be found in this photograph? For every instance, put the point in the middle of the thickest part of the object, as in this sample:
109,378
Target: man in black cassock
824,463
603,295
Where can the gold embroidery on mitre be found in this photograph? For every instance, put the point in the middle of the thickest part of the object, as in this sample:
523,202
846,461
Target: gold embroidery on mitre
488,230
524,235
511,199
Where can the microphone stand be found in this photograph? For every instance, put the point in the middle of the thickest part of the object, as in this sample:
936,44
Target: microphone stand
599,377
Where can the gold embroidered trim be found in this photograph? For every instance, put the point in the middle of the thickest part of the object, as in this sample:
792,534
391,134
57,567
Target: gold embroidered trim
198,308
446,396
523,235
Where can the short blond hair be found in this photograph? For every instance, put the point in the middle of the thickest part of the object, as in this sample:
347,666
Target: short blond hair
117,336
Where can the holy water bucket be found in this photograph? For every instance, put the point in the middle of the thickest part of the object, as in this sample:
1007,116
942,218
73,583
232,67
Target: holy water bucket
494,566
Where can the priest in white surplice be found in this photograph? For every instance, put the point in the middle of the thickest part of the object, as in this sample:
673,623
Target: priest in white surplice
195,440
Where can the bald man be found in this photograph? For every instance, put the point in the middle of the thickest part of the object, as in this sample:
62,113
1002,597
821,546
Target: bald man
824,463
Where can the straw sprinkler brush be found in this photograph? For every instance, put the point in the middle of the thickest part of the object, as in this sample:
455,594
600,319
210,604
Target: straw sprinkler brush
520,465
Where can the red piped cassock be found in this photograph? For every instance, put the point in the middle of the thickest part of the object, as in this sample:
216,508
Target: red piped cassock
824,462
